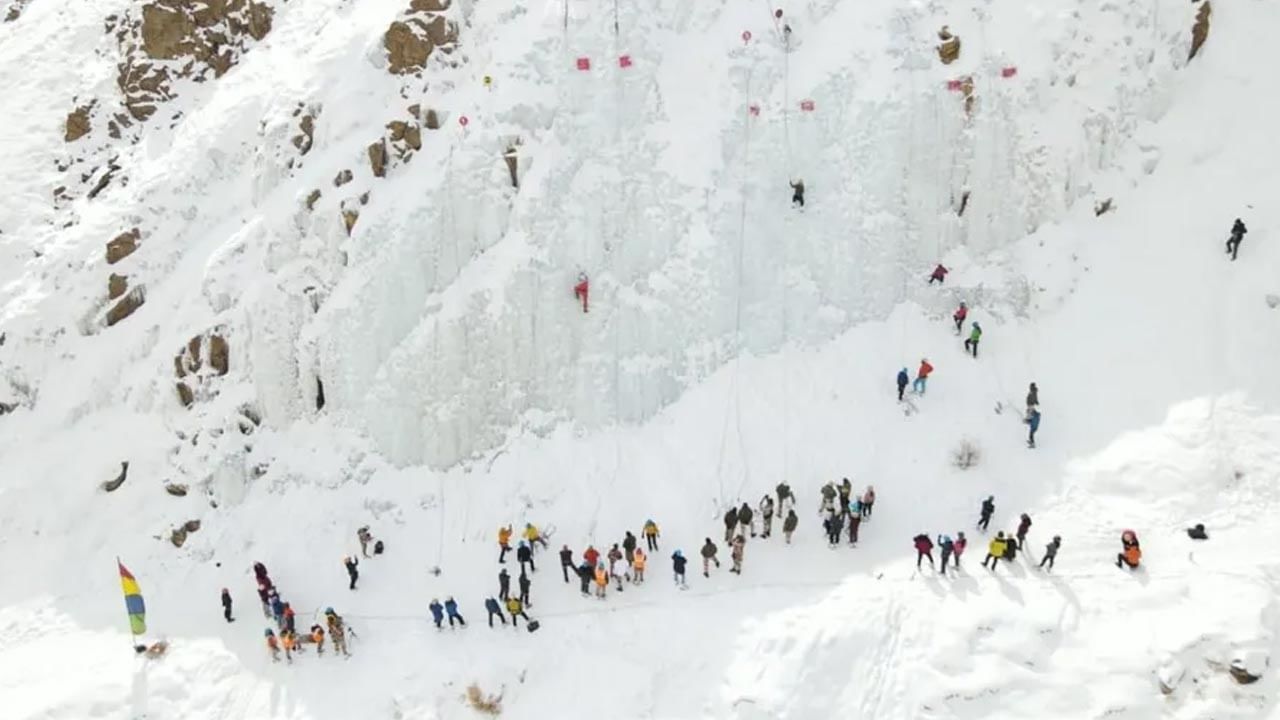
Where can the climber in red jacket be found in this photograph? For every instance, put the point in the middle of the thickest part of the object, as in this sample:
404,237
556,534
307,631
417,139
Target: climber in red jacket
580,290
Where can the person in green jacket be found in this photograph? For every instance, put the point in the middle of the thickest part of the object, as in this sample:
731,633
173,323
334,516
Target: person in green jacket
975,335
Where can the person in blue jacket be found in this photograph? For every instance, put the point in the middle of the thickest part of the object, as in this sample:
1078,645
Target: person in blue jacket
437,612
451,609
495,610
1033,422
678,561
903,379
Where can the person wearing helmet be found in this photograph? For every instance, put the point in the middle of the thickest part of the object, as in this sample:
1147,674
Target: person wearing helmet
637,566
1237,234
961,313
504,542
437,613
351,562
533,536
651,534
273,645
922,376
226,605
678,563
1051,552
337,631
971,344
988,508
566,561
903,379
524,554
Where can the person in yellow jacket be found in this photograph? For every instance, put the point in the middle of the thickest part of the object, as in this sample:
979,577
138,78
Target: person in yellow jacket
602,580
534,536
637,566
504,542
995,550
651,534
516,609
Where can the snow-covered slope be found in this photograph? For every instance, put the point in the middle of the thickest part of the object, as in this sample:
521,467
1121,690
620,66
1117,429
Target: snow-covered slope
732,342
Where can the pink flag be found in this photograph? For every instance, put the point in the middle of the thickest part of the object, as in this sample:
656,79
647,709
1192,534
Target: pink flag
624,61
584,63
806,105
1008,72
754,110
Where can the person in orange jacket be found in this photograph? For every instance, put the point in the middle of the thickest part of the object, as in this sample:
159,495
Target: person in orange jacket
922,376
637,566
1132,554
602,580
289,642
504,542
273,645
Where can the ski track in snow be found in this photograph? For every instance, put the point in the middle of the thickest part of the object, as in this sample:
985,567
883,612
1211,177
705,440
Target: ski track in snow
731,342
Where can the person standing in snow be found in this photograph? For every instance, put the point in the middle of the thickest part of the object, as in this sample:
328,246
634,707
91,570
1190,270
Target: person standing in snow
524,590
903,379
995,550
828,498
517,611
745,516
766,515
958,548
961,313
1033,398
288,619
922,376
277,607
708,556
797,193
1033,425
533,536
948,548
924,549
566,561
971,345
273,645
739,544
988,508
337,631
365,538
585,574
504,543
582,289
651,535
451,609
855,520
437,613
495,610
939,275
592,556
730,523
785,498
351,562
264,594
868,500
637,566
504,584
618,569
524,554
1132,554
1237,234
226,605
629,547
678,562
1051,552
789,525
846,491
1024,524
602,580
832,526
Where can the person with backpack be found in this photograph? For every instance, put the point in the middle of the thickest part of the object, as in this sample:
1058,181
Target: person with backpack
924,549
730,523
504,543
961,313
995,550
504,584
766,515
678,563
524,590
939,275
337,631
1131,556
533,536
651,535
739,545
524,555
784,494
988,508
855,520
922,376
1033,424
637,566
451,609
566,561
846,491
492,607
1051,552
1010,550
273,645
602,580
585,575
948,549
437,613
592,556
226,605
277,608
903,379
629,547
1237,234
1033,398
958,547
516,610
789,525
832,525
264,594
317,638
975,334
618,568
868,501
1197,532
745,516
708,556
365,538
260,572
828,497
287,618
351,563
797,193
1024,525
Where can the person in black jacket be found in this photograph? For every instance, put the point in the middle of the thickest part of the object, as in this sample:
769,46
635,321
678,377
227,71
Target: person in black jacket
351,562
1051,552
1197,532
566,561
504,584
524,554
797,193
1237,234
709,556
524,590
495,610
730,523
585,575
678,562
988,509
226,605
629,547
744,518
1024,525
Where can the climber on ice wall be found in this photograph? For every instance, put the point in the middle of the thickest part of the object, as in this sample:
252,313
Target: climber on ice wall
580,290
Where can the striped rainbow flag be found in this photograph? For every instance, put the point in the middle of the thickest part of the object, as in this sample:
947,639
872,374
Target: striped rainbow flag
133,600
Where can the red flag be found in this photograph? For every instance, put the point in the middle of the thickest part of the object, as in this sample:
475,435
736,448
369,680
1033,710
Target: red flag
955,85
1009,71
806,105
624,61
746,36
754,110
584,63
463,121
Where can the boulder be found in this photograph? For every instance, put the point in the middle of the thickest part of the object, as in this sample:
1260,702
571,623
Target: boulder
949,48
78,125
178,536
185,395
176,489
191,526
123,246
115,483
432,120
312,198
349,218
1200,30
218,354
342,178
378,158
128,304
116,286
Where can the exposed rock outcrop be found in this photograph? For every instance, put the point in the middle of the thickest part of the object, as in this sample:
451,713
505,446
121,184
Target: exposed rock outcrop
378,158
204,356
127,305
115,483
116,286
342,178
411,40
123,245
1200,30
949,49
78,124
